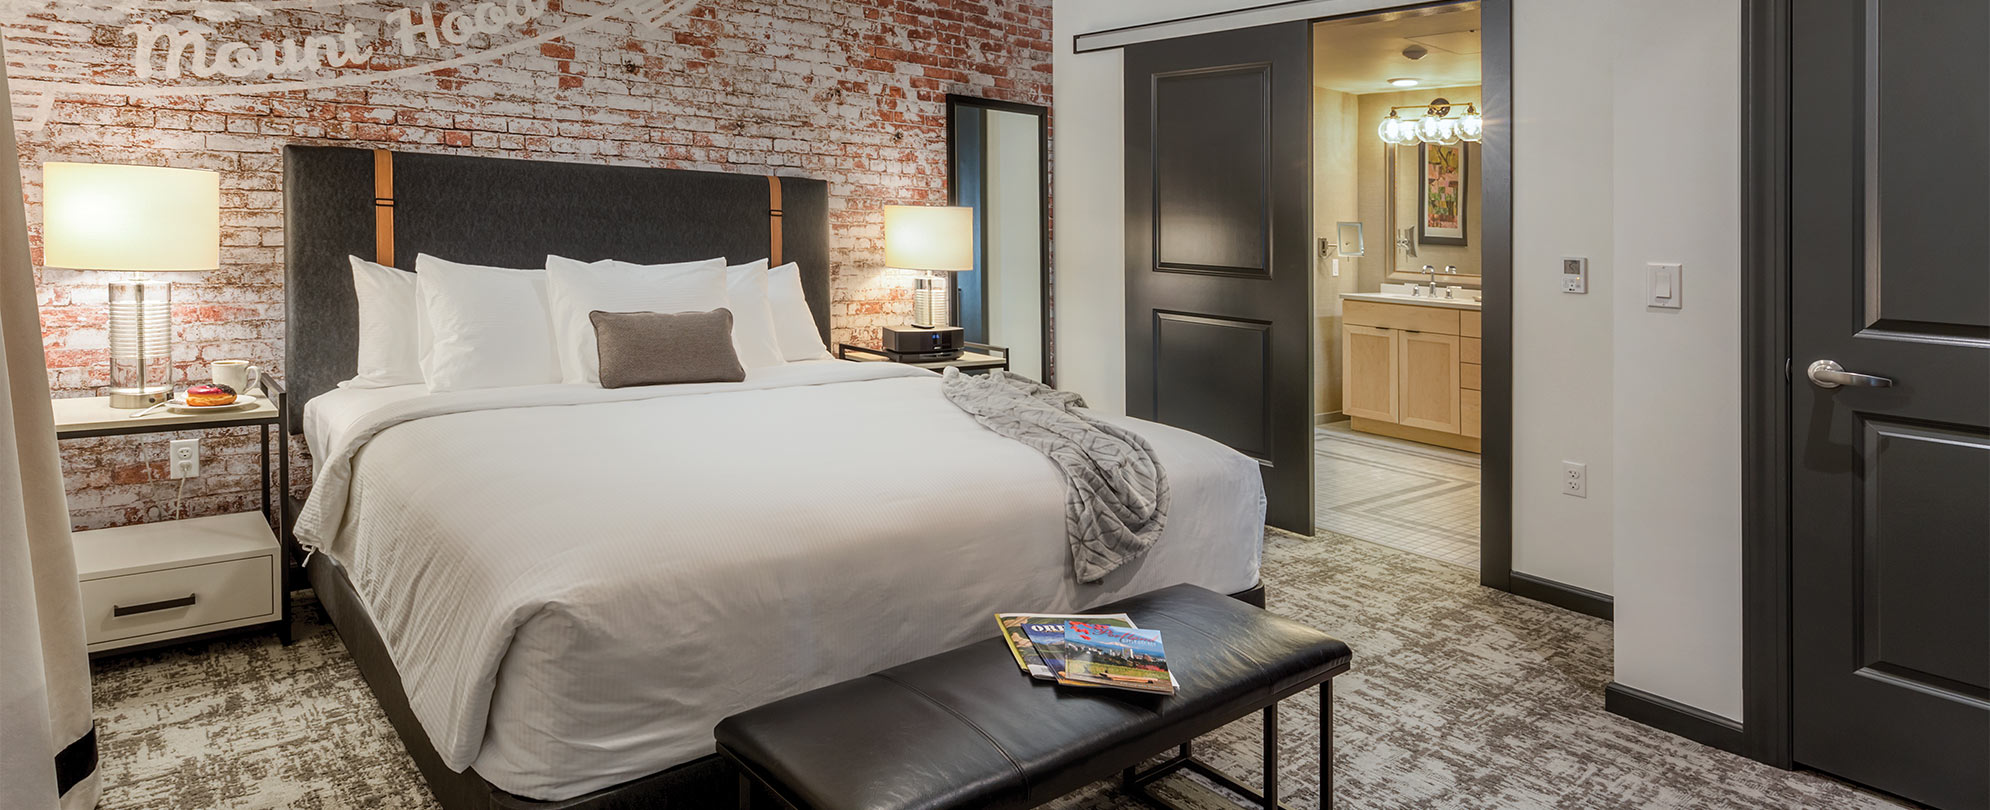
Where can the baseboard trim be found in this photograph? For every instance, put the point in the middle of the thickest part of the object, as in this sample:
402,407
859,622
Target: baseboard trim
1698,725
1562,595
1416,434
1328,418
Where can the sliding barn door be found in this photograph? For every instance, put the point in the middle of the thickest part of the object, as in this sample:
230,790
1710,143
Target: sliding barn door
1218,293
1890,467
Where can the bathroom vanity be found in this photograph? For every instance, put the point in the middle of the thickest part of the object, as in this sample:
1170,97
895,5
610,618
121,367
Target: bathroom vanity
1410,365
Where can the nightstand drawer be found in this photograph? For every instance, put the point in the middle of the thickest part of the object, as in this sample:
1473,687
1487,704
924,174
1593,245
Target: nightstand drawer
171,602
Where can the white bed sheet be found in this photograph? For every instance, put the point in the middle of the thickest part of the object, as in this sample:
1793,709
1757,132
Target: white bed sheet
577,584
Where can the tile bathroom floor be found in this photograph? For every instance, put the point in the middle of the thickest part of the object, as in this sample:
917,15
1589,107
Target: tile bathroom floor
1415,497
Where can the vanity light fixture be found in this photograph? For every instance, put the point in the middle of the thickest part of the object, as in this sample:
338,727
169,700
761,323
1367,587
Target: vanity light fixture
1437,125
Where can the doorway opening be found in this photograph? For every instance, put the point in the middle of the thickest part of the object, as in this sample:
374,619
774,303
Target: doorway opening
1399,235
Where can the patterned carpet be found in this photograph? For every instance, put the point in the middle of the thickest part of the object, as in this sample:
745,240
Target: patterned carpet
1420,498
1460,697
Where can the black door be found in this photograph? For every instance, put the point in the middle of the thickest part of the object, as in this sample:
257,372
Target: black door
1890,486
1218,293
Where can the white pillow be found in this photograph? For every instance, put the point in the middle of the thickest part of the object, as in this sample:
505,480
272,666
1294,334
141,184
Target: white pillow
794,324
576,288
488,326
753,337
389,338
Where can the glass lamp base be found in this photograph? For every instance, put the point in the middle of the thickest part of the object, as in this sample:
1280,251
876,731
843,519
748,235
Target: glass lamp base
139,397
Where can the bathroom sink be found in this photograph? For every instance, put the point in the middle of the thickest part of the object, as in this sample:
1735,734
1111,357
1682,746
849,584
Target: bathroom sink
1419,300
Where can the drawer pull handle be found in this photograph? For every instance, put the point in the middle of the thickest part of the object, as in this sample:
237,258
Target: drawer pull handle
149,607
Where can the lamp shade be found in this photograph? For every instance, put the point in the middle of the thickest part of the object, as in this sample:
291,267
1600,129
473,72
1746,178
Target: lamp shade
929,237
98,216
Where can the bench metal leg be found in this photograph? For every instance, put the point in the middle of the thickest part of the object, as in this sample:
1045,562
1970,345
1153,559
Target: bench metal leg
745,792
1327,745
1136,782
1270,756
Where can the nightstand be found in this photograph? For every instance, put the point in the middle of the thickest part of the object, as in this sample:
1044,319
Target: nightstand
976,357
176,580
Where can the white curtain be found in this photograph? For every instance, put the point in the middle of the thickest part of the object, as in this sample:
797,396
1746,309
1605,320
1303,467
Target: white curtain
48,744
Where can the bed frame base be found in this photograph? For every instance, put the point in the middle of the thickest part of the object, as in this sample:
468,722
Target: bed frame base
701,783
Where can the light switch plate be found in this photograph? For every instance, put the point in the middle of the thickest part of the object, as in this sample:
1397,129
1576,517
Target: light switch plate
1575,275
1666,283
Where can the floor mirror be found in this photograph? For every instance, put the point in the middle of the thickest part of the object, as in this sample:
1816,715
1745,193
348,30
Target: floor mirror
998,164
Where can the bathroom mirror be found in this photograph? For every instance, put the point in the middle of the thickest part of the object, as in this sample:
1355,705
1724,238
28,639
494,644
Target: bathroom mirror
997,164
1348,237
1434,221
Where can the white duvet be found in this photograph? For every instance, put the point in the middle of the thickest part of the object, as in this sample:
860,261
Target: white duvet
576,584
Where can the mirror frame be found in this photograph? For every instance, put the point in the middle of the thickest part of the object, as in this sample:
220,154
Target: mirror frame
954,105
1342,232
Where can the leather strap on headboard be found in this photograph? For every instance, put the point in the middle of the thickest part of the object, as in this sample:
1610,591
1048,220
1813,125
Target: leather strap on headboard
773,221
383,207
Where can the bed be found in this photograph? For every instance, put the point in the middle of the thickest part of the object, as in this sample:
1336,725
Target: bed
556,590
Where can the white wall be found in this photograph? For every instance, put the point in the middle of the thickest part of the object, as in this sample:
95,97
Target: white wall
1563,142
1627,138
1677,373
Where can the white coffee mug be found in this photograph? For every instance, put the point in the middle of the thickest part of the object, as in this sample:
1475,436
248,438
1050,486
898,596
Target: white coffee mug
236,374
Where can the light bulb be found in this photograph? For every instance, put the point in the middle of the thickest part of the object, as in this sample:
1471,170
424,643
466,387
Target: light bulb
1471,126
1391,129
1405,133
1430,129
1447,131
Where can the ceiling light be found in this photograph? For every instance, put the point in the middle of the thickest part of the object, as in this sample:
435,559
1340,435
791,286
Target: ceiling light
1403,82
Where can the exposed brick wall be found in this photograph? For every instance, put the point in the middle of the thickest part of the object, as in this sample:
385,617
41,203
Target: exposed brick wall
848,91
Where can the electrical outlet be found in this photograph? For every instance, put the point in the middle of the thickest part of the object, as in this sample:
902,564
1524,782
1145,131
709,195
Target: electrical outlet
1575,479
183,458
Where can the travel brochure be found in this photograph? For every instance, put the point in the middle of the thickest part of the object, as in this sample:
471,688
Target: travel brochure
1098,650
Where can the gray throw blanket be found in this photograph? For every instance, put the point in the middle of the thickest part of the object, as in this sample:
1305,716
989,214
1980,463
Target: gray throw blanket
1115,492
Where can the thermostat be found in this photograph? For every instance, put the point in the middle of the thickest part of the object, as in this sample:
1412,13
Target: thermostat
1575,274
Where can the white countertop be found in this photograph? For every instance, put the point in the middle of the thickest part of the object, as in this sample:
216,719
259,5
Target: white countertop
1393,298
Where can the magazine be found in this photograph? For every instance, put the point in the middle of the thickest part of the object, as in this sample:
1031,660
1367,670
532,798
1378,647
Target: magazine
1120,657
1036,640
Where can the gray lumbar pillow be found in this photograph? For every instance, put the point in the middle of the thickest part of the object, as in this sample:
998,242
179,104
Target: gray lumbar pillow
659,348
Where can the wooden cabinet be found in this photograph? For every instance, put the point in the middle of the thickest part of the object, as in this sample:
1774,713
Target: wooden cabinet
1368,372
1412,372
1427,376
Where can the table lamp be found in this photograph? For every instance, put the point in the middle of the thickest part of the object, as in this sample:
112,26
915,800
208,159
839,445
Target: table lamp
938,239
133,220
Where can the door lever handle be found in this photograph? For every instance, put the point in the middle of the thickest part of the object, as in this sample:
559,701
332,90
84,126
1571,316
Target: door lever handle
1828,374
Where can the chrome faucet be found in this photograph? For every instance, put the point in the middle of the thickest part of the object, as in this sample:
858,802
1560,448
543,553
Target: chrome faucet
1449,270
1431,273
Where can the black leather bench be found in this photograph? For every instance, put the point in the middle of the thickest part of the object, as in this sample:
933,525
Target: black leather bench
965,729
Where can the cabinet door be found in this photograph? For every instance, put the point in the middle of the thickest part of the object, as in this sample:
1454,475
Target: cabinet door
1368,372
1427,366
1468,412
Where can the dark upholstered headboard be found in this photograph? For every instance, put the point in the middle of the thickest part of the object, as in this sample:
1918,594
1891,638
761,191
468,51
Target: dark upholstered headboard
511,213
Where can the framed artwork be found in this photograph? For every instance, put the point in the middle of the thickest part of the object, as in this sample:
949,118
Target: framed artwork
1441,206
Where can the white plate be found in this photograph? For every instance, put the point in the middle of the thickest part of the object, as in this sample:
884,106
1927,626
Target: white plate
179,404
